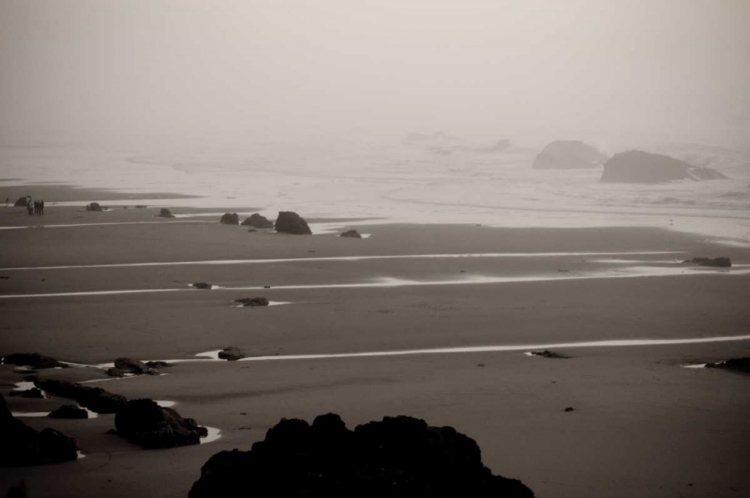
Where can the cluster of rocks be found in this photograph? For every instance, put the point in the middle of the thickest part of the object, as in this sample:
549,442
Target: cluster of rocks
95,399
720,262
636,166
22,445
144,422
396,457
94,206
165,213
736,364
257,221
128,366
252,301
568,154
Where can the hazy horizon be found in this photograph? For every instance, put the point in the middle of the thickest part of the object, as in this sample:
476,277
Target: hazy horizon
76,70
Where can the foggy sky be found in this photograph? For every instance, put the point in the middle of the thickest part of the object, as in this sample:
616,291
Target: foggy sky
79,69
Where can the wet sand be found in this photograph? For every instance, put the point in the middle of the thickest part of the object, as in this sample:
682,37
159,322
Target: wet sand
642,424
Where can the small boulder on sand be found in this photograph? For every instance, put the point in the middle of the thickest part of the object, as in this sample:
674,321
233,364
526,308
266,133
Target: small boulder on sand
94,206
144,422
291,222
257,221
202,285
231,354
165,213
252,301
351,234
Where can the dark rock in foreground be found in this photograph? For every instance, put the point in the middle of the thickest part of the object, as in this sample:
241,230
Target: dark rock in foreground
568,154
636,166
291,222
230,219
231,354
736,364
202,285
165,213
715,262
252,301
34,360
548,354
94,206
144,422
94,398
69,411
257,221
33,393
22,445
351,234
396,457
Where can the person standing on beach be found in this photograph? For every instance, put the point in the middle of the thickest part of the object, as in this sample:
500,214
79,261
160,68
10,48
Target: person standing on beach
29,205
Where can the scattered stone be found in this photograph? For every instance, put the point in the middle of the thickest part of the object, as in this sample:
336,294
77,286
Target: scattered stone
351,234
636,166
720,262
20,202
33,360
144,422
202,285
94,398
257,221
22,445
158,364
134,366
480,364
291,222
736,364
252,230
94,206
69,411
33,393
252,301
549,354
397,457
165,213
231,354
230,219
570,409
568,154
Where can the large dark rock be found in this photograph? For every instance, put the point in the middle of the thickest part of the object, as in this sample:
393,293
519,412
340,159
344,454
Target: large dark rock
636,166
94,206
252,301
736,364
568,154
69,411
165,213
257,221
231,354
94,398
396,457
713,262
351,234
20,202
136,367
34,360
230,219
144,422
22,445
291,222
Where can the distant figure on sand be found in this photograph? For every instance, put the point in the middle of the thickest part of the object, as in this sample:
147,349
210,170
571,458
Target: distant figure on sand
29,205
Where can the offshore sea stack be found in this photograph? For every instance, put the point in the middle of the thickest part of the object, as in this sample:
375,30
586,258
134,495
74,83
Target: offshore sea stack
568,154
636,166
396,457
22,445
291,222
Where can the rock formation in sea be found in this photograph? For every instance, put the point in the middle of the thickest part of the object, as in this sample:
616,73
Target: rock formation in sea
720,262
291,222
636,166
257,221
230,219
397,457
144,422
22,445
95,399
568,154
351,234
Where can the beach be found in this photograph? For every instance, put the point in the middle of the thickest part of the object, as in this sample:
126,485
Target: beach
390,324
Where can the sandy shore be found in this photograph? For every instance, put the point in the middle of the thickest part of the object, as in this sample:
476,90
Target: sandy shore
642,425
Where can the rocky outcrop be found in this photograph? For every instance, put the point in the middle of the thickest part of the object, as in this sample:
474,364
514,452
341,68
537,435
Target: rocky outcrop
94,206
22,445
33,393
720,262
252,301
736,364
351,234
636,166
69,411
94,398
257,221
145,423
165,213
230,219
396,457
291,222
134,366
568,154
33,360
231,354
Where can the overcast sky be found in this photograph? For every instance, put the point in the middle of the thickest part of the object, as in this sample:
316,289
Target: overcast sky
73,69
